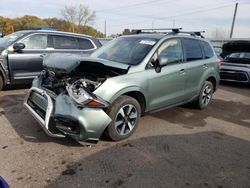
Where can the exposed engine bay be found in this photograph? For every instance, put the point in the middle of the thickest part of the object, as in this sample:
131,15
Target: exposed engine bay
87,75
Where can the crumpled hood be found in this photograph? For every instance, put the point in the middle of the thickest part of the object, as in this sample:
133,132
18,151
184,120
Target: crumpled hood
68,62
235,46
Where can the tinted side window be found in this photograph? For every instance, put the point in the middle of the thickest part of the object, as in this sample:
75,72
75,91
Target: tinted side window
38,41
170,51
207,50
85,44
192,49
64,42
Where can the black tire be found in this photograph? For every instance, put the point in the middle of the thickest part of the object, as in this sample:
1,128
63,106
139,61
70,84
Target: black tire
1,83
121,126
205,95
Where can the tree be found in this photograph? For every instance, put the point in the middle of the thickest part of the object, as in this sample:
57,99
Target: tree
85,16
78,15
126,32
58,24
8,25
69,14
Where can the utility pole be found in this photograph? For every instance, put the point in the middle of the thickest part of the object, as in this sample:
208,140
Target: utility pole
232,27
173,23
105,29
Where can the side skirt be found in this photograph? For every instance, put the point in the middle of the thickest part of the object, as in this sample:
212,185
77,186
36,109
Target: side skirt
172,105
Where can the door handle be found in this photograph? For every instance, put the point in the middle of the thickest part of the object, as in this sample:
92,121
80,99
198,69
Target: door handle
205,66
182,71
42,55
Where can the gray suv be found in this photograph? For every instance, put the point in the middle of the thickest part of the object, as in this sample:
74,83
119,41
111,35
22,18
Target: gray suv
21,53
108,91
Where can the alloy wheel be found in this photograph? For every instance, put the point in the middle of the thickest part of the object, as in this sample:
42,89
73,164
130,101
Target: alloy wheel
126,119
206,95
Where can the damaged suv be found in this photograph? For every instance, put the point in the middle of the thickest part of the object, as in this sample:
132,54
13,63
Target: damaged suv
108,91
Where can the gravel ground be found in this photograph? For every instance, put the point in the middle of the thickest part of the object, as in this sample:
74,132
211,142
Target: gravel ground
178,147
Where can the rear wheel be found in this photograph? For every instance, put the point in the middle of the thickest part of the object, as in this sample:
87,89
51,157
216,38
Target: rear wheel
125,114
1,83
205,95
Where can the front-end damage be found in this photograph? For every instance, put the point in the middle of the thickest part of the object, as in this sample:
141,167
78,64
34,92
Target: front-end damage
64,103
61,116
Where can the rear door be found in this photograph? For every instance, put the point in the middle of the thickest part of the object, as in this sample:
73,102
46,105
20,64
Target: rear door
26,64
195,65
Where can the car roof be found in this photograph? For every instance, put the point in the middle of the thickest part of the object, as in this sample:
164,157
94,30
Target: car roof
55,32
159,36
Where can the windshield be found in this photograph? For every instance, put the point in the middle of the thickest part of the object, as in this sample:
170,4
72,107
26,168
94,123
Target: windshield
7,40
127,50
243,57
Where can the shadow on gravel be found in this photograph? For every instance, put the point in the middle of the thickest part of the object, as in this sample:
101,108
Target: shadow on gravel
239,88
199,160
24,124
233,112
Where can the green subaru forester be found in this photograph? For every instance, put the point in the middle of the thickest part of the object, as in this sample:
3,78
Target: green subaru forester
107,92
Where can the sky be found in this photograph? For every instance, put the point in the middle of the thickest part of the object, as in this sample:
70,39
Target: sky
191,15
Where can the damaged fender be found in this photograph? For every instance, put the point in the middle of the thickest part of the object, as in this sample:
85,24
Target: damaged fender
92,121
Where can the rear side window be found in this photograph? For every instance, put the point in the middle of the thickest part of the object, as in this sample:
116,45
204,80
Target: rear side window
207,50
65,42
192,50
85,44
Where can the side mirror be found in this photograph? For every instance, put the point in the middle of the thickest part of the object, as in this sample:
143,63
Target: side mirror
1,35
156,65
163,61
18,46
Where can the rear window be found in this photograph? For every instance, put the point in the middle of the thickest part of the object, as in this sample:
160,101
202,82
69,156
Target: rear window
85,44
65,42
207,50
192,50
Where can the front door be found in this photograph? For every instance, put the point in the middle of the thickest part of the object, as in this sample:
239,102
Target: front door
167,87
27,63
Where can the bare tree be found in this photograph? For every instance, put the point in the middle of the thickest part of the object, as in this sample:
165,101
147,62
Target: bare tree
69,13
80,15
85,16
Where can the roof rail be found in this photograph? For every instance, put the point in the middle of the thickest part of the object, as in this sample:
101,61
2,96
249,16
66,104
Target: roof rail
192,33
138,31
43,28
173,31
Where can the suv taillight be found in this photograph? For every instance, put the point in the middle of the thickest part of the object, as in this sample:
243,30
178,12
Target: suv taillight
219,61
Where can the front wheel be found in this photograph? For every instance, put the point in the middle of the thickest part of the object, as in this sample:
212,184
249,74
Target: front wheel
125,114
205,95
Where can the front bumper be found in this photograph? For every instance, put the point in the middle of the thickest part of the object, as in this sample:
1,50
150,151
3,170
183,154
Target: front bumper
235,74
59,116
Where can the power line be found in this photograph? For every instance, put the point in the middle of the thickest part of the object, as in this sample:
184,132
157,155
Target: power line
179,15
135,5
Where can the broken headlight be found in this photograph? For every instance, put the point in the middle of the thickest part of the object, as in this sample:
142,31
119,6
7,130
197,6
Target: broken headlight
78,91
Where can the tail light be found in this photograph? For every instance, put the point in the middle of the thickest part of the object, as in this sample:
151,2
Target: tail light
219,61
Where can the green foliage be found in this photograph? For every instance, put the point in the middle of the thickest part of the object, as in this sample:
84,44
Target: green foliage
8,25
